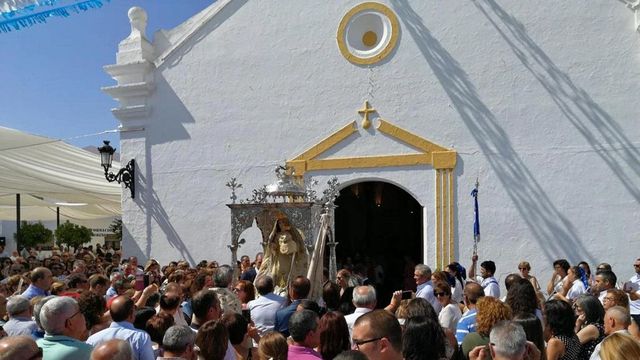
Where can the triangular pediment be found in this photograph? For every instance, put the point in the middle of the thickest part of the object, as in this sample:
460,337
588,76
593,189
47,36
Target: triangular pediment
396,147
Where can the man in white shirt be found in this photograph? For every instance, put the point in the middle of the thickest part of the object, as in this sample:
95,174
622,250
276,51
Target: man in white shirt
486,279
633,289
422,276
364,299
263,309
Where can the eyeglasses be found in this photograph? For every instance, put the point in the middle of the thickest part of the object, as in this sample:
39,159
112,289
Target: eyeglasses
523,268
235,290
608,298
37,355
636,265
357,343
72,316
439,294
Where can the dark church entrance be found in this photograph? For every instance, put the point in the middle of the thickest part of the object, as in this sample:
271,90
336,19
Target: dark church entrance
379,226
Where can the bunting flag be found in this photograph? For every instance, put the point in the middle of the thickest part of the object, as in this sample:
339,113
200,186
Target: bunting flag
20,14
476,220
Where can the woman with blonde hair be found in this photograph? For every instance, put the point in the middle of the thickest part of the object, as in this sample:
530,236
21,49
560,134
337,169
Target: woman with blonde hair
618,346
490,312
273,345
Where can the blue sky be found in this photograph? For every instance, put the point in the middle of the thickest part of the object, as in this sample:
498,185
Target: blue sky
51,74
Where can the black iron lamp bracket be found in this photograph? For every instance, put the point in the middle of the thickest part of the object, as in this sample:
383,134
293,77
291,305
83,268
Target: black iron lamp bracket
125,176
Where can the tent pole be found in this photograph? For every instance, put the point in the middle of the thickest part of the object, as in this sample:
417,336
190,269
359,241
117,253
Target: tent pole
18,221
57,217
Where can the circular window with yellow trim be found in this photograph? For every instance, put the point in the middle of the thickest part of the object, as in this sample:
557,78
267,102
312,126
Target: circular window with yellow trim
368,33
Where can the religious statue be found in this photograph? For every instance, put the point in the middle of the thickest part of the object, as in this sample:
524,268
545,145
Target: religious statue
285,256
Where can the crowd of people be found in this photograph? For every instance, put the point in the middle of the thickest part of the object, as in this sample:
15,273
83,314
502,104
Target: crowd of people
97,304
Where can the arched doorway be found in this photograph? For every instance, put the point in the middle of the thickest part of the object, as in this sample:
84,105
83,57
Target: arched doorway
379,224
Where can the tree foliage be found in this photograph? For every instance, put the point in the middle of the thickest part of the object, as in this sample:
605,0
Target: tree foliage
73,235
116,228
33,234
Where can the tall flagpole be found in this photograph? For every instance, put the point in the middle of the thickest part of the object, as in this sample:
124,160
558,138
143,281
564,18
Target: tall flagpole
476,220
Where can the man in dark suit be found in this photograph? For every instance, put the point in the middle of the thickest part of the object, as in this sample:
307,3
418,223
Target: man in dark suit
298,290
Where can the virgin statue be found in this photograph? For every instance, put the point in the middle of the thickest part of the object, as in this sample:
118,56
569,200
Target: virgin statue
285,256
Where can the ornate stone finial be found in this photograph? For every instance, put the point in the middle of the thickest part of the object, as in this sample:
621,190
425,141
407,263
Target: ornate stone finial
233,185
365,111
138,21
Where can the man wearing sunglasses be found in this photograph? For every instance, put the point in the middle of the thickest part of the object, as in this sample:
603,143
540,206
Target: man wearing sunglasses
632,287
19,348
65,330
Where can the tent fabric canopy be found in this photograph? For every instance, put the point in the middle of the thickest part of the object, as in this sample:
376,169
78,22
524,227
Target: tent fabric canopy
49,173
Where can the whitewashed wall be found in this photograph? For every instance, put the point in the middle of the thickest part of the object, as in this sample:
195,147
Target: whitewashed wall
538,98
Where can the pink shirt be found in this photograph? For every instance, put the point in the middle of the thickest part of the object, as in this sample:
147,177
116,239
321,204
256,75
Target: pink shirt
302,353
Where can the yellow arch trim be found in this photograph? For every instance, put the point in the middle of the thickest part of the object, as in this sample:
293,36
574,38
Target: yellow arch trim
442,160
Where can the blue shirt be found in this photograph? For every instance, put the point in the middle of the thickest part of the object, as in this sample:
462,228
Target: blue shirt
20,325
60,347
466,325
282,318
425,291
139,340
33,291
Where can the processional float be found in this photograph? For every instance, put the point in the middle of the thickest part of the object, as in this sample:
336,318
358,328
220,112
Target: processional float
296,225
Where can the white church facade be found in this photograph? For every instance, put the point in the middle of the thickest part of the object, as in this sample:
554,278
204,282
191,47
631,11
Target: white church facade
534,100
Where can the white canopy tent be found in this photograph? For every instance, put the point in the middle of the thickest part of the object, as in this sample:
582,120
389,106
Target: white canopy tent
51,174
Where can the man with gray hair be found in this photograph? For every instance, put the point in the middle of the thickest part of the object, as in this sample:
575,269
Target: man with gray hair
303,327
422,276
616,320
19,311
65,330
507,341
229,302
178,343
114,349
364,299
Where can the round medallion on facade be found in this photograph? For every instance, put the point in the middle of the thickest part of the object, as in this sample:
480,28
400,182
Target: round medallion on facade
368,33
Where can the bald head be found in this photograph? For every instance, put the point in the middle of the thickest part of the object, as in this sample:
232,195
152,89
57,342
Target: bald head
472,293
114,349
122,309
18,348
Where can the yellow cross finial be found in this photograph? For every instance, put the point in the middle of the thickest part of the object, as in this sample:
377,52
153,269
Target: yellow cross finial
365,111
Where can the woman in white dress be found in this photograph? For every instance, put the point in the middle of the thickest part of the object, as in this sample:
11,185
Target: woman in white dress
450,313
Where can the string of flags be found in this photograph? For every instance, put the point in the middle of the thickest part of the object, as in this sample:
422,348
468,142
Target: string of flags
20,14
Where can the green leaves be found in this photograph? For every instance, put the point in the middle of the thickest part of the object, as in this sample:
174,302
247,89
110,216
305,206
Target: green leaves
33,234
73,235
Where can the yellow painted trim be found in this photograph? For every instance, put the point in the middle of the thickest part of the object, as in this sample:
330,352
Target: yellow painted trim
407,137
369,162
328,142
342,29
444,159
451,228
438,219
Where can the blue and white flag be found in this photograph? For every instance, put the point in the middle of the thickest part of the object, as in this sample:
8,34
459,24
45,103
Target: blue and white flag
19,14
476,215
